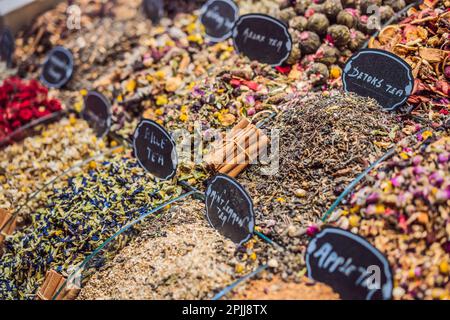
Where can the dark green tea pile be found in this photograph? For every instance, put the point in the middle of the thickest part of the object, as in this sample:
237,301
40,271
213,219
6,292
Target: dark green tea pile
325,142
76,221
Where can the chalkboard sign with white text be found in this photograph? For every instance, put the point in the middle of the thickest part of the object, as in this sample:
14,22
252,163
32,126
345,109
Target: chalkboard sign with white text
218,18
154,9
350,265
97,112
155,149
380,75
58,68
229,209
7,46
262,38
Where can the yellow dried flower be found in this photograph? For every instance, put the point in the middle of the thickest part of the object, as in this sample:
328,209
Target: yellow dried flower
131,85
161,100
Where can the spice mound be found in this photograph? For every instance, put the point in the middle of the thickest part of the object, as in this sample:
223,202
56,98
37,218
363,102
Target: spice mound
77,219
168,262
403,210
276,289
21,102
324,143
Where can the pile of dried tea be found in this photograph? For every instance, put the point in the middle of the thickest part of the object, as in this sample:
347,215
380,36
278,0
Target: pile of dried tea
324,143
166,262
403,210
422,40
77,218
28,165
326,33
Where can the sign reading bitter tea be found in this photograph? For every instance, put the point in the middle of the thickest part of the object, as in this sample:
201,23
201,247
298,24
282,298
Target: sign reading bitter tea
262,38
155,149
7,46
229,209
218,18
350,265
97,112
380,75
58,68
154,9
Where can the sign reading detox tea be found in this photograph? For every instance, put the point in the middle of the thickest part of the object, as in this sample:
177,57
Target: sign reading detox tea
154,9
350,265
7,46
155,149
229,209
97,112
262,38
218,18
380,75
58,68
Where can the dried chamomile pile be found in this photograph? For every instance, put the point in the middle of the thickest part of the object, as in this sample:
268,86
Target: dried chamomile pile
28,165
323,143
76,220
403,209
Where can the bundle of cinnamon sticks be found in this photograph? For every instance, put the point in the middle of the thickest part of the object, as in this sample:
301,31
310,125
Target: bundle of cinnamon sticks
52,284
240,147
6,225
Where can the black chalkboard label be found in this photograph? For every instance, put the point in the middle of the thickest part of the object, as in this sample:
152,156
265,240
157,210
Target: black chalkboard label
350,265
154,9
155,149
262,38
97,112
229,209
7,46
380,75
58,68
218,17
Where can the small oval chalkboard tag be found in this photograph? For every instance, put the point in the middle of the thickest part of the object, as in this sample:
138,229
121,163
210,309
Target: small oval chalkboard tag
58,68
263,38
97,112
380,75
154,9
350,265
219,17
229,209
7,46
155,149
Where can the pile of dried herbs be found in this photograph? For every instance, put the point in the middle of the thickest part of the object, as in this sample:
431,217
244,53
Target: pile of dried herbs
324,143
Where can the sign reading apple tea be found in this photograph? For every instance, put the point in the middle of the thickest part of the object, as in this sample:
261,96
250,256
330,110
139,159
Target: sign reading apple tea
218,18
155,149
262,38
154,9
97,112
7,46
349,264
229,209
58,68
380,75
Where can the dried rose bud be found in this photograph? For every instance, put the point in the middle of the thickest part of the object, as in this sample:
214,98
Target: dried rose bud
396,5
349,3
287,14
447,72
309,42
331,8
318,23
298,23
339,34
327,55
386,12
347,18
301,6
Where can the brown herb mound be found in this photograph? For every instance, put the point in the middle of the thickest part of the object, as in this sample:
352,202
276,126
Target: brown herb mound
325,142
